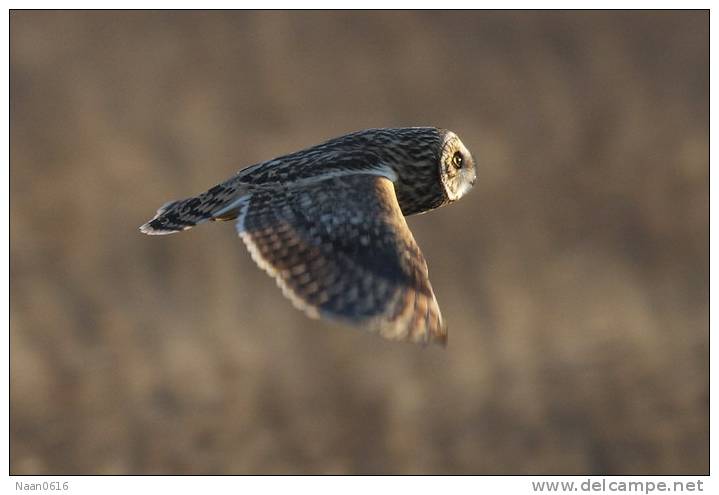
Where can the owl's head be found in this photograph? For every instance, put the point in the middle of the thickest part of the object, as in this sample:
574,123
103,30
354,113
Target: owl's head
456,166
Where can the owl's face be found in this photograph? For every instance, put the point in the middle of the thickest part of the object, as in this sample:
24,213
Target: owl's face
456,167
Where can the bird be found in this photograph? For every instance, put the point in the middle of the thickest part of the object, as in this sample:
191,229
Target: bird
328,224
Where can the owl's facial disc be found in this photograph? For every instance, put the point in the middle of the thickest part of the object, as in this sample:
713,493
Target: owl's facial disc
456,167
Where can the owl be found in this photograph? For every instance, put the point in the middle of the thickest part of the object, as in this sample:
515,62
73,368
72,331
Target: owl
328,223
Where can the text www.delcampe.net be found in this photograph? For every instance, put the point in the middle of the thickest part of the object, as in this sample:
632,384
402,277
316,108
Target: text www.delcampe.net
618,486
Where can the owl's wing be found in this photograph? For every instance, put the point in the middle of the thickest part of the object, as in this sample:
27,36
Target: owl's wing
341,249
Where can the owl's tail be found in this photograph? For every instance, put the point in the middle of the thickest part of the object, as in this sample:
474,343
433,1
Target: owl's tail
220,203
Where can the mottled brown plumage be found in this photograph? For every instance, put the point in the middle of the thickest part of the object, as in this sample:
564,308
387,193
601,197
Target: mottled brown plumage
328,224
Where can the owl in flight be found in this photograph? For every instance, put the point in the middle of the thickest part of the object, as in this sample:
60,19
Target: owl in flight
328,224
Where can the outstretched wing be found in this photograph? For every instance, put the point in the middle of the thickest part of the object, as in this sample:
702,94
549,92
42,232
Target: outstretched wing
340,248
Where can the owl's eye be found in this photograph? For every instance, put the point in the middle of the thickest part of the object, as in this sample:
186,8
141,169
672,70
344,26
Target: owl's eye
457,160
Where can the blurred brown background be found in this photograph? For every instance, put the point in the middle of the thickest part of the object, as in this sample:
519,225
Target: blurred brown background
574,278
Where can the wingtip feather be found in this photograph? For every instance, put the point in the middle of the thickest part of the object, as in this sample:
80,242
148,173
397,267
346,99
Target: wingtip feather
148,229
